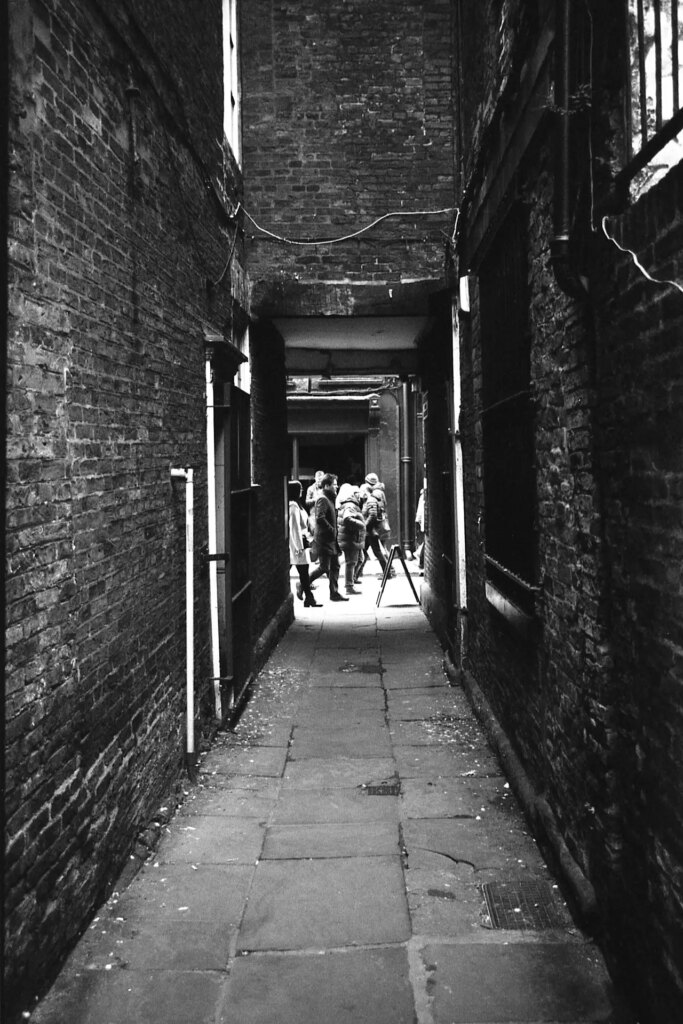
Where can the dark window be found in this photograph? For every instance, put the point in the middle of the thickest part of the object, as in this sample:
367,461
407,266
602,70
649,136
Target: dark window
241,439
507,414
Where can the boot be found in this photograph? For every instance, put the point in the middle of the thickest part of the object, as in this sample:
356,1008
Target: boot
311,602
336,596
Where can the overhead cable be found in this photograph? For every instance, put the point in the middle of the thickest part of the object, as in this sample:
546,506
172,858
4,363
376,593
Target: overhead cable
352,234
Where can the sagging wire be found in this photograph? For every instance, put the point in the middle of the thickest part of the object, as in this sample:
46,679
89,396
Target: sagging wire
639,265
214,284
352,234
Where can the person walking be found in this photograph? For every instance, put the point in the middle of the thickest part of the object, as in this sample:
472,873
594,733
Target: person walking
299,554
325,535
371,515
350,532
314,491
371,481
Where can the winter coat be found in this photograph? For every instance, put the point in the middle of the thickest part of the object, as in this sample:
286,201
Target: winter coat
325,534
371,514
350,521
298,530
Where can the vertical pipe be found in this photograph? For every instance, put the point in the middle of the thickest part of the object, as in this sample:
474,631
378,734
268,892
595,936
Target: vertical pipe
295,458
187,476
406,463
211,520
567,277
674,51
658,64
642,85
189,596
459,486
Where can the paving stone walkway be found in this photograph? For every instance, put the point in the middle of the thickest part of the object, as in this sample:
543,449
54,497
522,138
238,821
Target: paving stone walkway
352,854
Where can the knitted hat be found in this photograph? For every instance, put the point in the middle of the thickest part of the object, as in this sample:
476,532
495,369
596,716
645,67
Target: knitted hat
372,479
347,492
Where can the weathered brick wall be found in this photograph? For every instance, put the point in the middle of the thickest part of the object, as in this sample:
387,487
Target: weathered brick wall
590,697
538,681
489,59
348,108
640,370
107,307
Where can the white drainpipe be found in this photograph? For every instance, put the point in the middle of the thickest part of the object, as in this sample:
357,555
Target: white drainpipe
187,476
213,568
460,554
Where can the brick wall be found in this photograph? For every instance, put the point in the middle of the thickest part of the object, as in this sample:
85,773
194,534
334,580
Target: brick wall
640,369
107,307
348,114
590,694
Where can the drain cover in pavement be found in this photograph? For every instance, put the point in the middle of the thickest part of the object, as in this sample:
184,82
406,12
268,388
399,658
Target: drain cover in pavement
368,667
526,905
387,789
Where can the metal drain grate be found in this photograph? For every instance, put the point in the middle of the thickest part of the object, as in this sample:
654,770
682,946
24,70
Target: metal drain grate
370,668
527,905
386,789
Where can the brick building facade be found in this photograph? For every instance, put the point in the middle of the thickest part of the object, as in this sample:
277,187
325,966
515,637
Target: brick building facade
348,137
550,409
571,430
125,275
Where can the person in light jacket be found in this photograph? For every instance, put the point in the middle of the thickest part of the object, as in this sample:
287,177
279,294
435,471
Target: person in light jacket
314,491
350,532
299,553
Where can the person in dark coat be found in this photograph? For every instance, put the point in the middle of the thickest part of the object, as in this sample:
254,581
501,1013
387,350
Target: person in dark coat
325,536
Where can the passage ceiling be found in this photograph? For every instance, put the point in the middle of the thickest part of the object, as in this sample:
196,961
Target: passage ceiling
348,344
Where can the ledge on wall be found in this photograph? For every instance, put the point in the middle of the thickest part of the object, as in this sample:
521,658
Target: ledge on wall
520,621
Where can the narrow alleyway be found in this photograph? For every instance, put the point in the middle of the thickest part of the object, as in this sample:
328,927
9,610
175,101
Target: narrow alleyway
351,854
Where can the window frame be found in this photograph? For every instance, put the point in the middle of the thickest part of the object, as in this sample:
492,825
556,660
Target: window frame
508,414
638,78
231,80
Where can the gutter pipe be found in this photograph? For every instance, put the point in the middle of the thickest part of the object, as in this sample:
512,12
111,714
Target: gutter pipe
187,476
212,531
459,490
406,464
560,255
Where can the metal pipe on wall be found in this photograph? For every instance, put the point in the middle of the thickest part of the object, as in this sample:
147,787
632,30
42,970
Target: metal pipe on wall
187,476
212,531
459,490
406,465
560,250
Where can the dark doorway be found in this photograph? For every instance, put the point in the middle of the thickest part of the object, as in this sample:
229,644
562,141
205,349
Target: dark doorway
343,454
